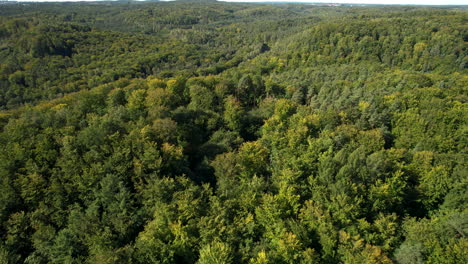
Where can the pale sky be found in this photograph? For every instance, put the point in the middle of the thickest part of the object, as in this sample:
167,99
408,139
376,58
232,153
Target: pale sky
393,2
396,2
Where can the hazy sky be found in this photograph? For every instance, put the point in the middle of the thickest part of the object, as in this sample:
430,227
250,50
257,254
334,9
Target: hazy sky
396,2
399,2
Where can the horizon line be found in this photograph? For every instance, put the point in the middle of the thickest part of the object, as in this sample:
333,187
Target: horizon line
342,2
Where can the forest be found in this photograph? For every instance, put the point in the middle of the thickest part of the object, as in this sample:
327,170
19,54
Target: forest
215,133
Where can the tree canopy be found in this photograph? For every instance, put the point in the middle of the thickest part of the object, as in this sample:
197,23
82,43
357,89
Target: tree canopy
209,132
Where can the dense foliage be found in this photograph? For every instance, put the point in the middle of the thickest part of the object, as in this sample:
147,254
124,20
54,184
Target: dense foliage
204,132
